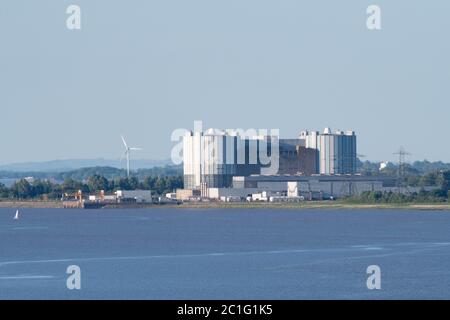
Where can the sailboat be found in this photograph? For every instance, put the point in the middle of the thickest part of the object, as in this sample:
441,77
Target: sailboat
16,217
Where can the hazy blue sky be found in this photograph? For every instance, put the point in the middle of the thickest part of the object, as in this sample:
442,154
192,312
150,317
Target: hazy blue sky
144,68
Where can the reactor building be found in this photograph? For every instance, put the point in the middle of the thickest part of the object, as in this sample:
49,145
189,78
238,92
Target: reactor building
212,158
336,151
231,165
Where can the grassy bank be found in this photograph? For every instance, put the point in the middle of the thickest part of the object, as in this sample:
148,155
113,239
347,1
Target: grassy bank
30,204
252,205
318,205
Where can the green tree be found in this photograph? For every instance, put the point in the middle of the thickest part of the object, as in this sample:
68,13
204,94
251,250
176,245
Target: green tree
413,181
430,179
21,189
446,180
71,186
4,191
97,183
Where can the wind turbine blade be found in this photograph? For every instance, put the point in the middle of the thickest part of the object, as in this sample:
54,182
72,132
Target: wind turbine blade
124,142
137,149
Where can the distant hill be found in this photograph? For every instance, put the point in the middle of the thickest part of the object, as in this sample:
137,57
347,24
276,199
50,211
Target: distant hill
7,177
74,164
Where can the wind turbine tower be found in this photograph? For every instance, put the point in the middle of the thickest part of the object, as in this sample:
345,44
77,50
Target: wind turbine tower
127,154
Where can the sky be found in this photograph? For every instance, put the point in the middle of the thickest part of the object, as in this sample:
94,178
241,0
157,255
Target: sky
146,68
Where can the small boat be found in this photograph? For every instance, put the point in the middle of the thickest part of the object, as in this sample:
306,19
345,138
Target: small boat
16,217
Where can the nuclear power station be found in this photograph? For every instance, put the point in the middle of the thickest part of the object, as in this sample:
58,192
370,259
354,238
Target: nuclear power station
227,164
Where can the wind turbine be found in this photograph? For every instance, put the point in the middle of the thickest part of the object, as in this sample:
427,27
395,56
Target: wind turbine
127,154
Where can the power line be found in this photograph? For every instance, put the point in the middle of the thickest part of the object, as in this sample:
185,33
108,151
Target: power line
401,153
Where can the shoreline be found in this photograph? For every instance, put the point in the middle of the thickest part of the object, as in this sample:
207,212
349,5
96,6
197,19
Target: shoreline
31,204
244,205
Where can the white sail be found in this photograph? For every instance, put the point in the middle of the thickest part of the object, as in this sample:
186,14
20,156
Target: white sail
16,217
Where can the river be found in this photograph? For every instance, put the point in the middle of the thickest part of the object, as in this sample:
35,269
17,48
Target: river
171,253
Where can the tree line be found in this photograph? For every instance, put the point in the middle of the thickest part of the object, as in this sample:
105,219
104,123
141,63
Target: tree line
45,189
417,168
441,194
377,197
82,174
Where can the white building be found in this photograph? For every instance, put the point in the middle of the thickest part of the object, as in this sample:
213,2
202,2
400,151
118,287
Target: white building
337,151
211,159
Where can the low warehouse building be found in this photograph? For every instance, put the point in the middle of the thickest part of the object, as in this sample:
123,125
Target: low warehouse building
139,196
219,193
186,194
314,187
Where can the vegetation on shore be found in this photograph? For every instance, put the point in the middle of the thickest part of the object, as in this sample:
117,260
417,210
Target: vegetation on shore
439,195
379,197
167,179
47,190
328,204
416,174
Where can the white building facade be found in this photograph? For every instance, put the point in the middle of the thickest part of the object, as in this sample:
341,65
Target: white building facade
211,159
337,151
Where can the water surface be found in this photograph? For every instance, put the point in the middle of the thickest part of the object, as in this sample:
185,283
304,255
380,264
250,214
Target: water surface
224,253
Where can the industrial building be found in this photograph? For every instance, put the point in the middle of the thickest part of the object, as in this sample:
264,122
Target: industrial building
295,158
294,188
211,159
227,166
336,152
308,187
312,187
122,198
137,196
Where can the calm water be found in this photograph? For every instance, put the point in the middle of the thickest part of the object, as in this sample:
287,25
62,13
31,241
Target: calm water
224,254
